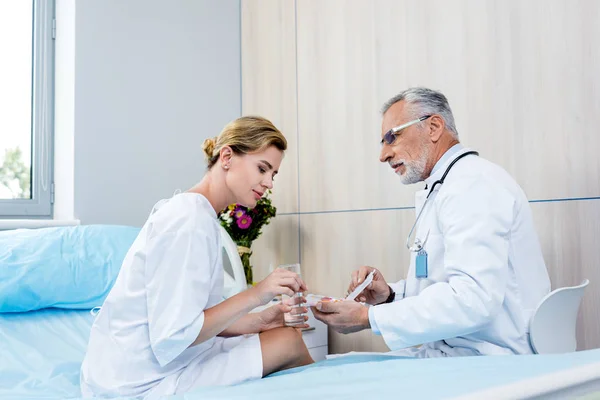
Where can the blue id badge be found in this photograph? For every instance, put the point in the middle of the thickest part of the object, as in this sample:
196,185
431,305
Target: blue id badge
421,264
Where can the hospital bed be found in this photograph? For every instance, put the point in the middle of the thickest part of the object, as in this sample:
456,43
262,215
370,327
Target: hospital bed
41,352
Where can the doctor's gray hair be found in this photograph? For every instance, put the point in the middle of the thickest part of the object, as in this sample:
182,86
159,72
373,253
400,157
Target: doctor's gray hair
425,102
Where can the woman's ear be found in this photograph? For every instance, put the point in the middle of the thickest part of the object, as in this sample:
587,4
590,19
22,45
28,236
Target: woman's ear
225,156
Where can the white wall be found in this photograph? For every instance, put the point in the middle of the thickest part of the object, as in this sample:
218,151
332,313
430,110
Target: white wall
152,80
64,111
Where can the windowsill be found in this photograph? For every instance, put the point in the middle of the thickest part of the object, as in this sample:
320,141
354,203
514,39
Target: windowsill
6,224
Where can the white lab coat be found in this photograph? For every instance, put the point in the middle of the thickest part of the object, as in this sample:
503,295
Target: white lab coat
486,270
139,342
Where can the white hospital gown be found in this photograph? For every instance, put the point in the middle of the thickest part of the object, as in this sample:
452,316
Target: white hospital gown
139,342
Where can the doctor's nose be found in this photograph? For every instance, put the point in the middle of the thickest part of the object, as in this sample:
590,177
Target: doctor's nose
386,154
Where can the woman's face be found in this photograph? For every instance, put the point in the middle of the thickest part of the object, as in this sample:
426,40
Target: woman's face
250,175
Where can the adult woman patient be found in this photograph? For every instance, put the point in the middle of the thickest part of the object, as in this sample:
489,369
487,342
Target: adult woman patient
164,327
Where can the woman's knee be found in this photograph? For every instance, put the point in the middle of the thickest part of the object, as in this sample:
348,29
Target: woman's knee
285,347
290,334
296,346
286,338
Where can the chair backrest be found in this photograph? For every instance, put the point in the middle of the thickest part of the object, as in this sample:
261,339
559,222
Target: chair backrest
552,328
234,278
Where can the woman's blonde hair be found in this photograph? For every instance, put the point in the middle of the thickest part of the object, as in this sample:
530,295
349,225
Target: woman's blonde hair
244,135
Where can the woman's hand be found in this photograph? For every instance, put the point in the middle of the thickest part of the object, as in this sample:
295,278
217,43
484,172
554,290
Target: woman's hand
278,282
272,317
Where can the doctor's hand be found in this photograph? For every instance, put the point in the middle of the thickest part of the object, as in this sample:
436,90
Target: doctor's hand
376,293
343,316
272,317
278,282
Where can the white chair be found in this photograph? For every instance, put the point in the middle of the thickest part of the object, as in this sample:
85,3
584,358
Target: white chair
234,279
552,328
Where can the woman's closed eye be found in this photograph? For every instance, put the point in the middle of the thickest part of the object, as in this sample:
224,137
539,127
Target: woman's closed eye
265,167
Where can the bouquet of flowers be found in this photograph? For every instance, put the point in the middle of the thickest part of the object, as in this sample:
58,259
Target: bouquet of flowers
244,225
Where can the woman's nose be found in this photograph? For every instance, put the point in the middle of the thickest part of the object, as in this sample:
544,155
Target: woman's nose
268,183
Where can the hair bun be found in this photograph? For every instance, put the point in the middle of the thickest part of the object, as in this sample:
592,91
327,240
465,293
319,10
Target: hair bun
209,147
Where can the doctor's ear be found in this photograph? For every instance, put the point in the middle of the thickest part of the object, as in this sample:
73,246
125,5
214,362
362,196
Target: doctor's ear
225,156
436,127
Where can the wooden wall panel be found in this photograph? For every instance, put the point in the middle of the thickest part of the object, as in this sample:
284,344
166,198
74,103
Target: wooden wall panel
523,90
569,234
269,82
335,244
277,245
521,78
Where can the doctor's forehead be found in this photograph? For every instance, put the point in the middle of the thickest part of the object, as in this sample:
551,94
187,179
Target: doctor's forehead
396,115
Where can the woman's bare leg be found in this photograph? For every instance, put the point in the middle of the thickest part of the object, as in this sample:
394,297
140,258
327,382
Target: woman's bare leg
283,348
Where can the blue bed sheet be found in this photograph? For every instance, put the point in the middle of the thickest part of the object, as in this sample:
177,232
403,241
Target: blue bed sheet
40,355
384,377
41,352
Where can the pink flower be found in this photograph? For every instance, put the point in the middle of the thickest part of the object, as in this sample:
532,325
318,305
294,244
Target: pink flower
244,222
240,214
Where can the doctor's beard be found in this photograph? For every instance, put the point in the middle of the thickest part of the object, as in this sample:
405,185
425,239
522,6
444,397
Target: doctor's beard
414,170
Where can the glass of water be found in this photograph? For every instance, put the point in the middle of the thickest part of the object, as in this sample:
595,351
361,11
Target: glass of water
294,317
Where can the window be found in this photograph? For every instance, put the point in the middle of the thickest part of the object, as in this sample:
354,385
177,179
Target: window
26,108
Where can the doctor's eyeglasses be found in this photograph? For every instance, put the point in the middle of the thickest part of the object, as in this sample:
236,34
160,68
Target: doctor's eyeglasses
391,135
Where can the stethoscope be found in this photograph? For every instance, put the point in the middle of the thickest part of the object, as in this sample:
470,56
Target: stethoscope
418,245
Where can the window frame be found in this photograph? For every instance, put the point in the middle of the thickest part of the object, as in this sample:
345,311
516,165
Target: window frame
42,120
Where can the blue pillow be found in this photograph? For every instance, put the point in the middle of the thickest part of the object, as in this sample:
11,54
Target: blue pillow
64,267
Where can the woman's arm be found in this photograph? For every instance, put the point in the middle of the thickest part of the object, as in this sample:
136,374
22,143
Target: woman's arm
224,315
248,324
269,318
231,313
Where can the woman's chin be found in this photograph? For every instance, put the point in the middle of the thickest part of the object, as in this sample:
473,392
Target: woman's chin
248,203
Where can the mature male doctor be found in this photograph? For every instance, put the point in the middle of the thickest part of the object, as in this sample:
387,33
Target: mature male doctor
476,269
